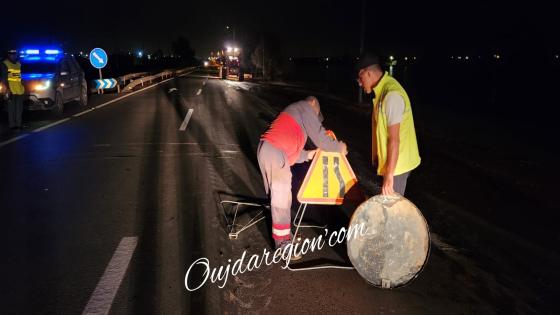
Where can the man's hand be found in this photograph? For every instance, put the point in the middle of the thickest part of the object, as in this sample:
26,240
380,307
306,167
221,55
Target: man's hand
311,154
387,188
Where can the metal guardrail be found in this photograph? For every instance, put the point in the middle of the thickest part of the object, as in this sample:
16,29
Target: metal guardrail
122,80
149,79
128,82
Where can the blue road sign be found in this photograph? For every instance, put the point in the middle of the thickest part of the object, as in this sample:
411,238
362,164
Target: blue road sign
105,84
98,58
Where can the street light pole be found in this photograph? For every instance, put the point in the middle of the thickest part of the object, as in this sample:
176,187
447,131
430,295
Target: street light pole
233,34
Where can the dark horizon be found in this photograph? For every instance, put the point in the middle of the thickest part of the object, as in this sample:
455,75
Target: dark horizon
311,29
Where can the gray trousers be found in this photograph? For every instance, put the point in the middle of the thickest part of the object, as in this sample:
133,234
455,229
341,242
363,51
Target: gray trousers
277,178
15,110
399,182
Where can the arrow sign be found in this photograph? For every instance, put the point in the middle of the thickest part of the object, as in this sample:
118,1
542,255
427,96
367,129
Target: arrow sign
105,84
98,58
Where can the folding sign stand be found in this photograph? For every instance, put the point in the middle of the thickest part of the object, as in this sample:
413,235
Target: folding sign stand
303,207
328,179
233,227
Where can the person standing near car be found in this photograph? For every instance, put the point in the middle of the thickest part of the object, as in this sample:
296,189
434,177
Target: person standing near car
11,79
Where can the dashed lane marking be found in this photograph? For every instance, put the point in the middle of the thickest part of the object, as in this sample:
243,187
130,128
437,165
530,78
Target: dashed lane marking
102,298
186,120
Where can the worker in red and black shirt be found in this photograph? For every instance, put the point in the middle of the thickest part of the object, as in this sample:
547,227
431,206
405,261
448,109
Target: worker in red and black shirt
281,146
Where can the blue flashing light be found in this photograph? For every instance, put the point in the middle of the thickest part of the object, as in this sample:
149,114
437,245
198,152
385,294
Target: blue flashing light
37,76
48,59
40,54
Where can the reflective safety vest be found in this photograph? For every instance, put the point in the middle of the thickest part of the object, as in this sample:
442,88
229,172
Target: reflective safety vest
14,77
408,158
287,135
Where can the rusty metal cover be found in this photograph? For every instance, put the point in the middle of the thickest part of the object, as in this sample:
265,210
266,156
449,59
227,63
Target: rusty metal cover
396,245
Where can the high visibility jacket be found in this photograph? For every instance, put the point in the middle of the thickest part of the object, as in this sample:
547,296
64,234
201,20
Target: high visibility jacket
408,158
14,77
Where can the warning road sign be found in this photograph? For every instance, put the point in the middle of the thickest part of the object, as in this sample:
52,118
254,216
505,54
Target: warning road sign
328,179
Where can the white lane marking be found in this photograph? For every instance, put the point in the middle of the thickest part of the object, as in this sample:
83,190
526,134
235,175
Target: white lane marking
13,140
82,113
102,298
186,120
51,125
204,82
199,91
86,111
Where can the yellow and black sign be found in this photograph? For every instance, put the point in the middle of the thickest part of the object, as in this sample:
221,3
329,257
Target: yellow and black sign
328,179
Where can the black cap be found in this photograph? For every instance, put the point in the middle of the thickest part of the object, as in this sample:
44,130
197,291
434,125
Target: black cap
366,60
12,51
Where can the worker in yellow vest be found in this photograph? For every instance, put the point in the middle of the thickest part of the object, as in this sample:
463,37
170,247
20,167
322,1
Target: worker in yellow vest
394,145
11,80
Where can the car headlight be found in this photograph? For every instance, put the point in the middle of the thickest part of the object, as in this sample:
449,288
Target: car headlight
43,85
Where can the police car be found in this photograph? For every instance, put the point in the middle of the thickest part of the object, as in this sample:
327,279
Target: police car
51,79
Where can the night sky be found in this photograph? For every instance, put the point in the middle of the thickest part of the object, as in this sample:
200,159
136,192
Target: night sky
302,28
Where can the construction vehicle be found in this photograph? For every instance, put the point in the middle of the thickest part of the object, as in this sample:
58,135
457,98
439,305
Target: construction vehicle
229,62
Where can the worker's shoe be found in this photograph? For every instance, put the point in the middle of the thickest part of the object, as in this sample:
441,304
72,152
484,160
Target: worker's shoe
286,245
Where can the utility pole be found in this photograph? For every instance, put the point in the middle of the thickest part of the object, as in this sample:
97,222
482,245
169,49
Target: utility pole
362,34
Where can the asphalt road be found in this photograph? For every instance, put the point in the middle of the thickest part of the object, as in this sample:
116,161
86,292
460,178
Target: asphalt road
109,209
